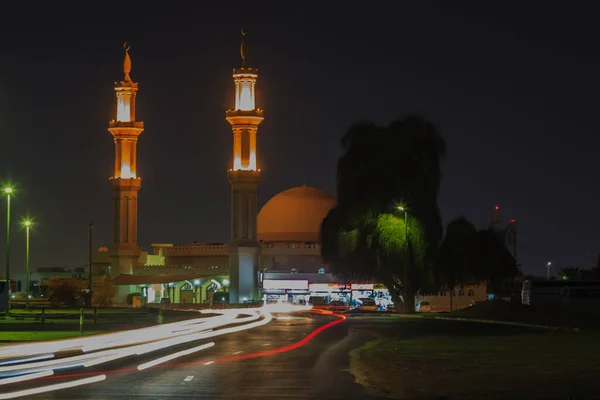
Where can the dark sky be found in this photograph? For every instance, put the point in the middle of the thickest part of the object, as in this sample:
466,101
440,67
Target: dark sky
513,89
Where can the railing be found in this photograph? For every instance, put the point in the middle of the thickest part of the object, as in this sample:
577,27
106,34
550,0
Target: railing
218,249
184,268
314,246
71,315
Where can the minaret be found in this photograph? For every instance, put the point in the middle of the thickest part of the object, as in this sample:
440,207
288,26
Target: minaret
244,176
125,183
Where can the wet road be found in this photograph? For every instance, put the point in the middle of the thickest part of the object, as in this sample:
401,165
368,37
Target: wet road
281,364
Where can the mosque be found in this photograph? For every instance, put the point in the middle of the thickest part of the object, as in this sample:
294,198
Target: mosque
273,254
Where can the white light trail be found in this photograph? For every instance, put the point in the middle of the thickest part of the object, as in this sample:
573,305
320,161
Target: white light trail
28,377
173,356
194,331
38,360
34,358
51,388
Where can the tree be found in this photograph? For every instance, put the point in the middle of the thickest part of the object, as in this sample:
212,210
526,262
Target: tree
103,293
456,261
67,291
569,273
365,234
469,256
495,263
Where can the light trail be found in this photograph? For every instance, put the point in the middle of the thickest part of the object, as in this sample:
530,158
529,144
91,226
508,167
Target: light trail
100,357
28,377
26,359
24,362
173,356
51,388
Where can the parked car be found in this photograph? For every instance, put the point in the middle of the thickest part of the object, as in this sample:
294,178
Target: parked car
423,306
367,304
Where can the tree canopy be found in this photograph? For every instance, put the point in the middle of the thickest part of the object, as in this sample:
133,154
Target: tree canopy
366,235
468,256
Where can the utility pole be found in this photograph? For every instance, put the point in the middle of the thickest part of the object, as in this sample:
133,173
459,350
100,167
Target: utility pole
90,272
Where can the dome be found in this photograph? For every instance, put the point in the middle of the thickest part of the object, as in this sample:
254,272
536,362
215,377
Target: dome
294,215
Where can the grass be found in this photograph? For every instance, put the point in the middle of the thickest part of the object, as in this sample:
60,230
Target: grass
27,336
574,317
538,365
107,310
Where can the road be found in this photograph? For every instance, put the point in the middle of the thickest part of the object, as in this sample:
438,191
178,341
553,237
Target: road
285,359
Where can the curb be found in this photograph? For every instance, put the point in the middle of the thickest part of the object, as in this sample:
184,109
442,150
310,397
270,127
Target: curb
491,321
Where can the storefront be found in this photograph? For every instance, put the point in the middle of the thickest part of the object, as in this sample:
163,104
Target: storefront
359,291
331,292
286,290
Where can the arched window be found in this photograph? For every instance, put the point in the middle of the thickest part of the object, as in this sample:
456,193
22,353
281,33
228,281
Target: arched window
461,292
471,292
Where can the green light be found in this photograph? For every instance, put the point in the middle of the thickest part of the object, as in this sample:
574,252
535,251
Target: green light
8,190
27,223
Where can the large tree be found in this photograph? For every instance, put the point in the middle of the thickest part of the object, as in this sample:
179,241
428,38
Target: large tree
495,263
468,256
457,258
365,235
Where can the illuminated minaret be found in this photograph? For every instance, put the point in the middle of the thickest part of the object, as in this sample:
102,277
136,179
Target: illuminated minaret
244,176
125,183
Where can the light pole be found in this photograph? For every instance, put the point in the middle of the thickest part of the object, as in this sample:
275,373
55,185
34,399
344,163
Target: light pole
548,265
405,283
90,273
8,191
27,224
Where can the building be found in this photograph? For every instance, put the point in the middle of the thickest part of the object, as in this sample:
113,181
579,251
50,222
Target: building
264,247
273,254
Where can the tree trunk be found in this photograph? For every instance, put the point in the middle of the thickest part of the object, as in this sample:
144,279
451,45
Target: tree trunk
388,281
409,299
410,287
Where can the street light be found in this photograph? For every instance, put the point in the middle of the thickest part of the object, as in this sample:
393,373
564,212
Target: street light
405,283
8,191
27,224
548,265
90,272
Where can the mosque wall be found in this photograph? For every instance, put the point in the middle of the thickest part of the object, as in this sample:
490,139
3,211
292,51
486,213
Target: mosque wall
302,263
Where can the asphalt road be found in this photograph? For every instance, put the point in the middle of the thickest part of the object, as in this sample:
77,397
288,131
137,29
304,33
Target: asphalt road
279,366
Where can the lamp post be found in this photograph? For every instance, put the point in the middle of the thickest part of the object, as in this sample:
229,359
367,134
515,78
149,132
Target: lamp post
8,191
548,266
27,224
405,283
90,272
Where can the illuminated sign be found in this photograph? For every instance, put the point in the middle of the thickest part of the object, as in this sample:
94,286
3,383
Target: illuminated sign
362,286
328,287
285,284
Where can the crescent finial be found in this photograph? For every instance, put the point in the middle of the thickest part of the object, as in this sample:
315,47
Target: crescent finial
127,62
243,48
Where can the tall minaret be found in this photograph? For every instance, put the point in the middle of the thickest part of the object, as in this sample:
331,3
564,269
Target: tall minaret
244,176
125,183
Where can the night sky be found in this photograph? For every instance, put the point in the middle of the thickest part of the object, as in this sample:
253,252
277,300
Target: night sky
513,89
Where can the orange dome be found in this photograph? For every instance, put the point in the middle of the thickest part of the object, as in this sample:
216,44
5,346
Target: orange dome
294,215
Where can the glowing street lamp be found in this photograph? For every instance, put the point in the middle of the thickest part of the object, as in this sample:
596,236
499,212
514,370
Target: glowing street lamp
405,283
27,224
8,190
